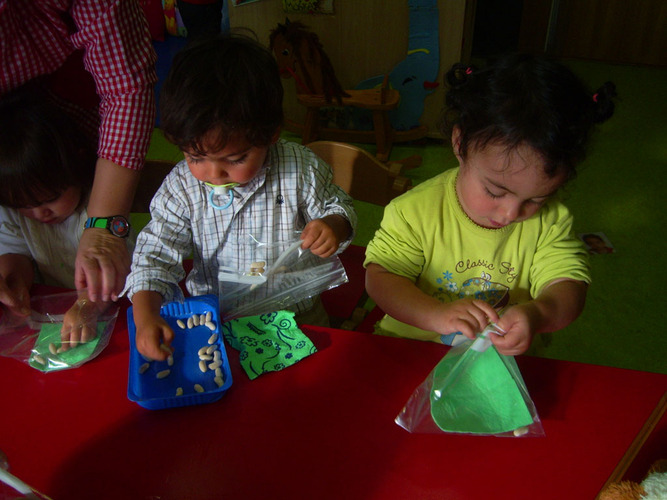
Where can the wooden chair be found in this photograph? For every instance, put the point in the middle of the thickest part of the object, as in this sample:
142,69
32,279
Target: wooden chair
379,101
360,174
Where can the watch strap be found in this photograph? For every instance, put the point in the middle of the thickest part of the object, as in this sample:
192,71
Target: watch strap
116,225
98,222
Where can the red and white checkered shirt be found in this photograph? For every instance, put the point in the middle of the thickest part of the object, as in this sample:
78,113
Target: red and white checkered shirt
38,36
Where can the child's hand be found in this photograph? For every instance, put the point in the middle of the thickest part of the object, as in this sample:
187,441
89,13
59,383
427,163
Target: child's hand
15,295
468,316
79,323
519,324
320,238
154,338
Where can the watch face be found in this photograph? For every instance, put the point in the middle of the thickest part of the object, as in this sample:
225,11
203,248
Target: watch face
119,226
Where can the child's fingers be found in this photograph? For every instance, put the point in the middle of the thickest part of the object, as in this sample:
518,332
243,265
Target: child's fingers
479,314
324,248
152,351
157,344
88,333
509,345
70,335
490,314
309,238
168,337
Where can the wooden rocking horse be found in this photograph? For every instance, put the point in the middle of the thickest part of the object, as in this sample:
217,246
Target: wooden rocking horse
300,55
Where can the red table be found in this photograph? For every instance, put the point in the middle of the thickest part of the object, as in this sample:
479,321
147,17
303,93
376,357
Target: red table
322,429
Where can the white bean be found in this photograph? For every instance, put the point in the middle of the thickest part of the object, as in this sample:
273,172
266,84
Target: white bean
143,368
165,348
208,316
53,349
206,357
202,366
218,372
163,374
210,325
39,359
195,320
199,388
202,319
190,323
219,381
203,350
170,360
213,338
180,323
179,391
214,365
217,356
212,349
520,431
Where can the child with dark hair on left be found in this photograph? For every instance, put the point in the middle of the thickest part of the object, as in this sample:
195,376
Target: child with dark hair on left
46,173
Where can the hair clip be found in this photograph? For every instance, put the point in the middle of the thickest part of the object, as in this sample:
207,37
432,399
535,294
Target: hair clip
595,97
468,71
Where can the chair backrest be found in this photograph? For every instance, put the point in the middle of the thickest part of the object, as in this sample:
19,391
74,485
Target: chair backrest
360,174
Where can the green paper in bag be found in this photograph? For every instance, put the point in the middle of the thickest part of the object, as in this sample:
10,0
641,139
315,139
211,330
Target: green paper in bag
36,340
50,334
472,390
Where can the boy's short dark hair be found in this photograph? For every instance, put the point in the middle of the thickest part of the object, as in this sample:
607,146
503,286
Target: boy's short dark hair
227,84
42,150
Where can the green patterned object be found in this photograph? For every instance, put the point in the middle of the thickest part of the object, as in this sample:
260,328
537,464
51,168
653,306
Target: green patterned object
268,342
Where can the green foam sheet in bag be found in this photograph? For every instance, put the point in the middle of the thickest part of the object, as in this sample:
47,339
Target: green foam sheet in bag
50,333
478,391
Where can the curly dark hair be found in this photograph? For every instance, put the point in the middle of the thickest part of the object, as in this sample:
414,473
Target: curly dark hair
525,99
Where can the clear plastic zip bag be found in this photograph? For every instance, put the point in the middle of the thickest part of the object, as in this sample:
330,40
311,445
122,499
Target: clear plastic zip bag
37,340
473,390
274,277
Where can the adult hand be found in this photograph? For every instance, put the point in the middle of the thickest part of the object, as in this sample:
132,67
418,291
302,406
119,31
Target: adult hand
102,264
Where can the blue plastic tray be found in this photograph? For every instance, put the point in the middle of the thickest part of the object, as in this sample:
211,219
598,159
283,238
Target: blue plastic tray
150,392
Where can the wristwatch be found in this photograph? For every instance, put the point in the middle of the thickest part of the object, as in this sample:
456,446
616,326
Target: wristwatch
116,225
